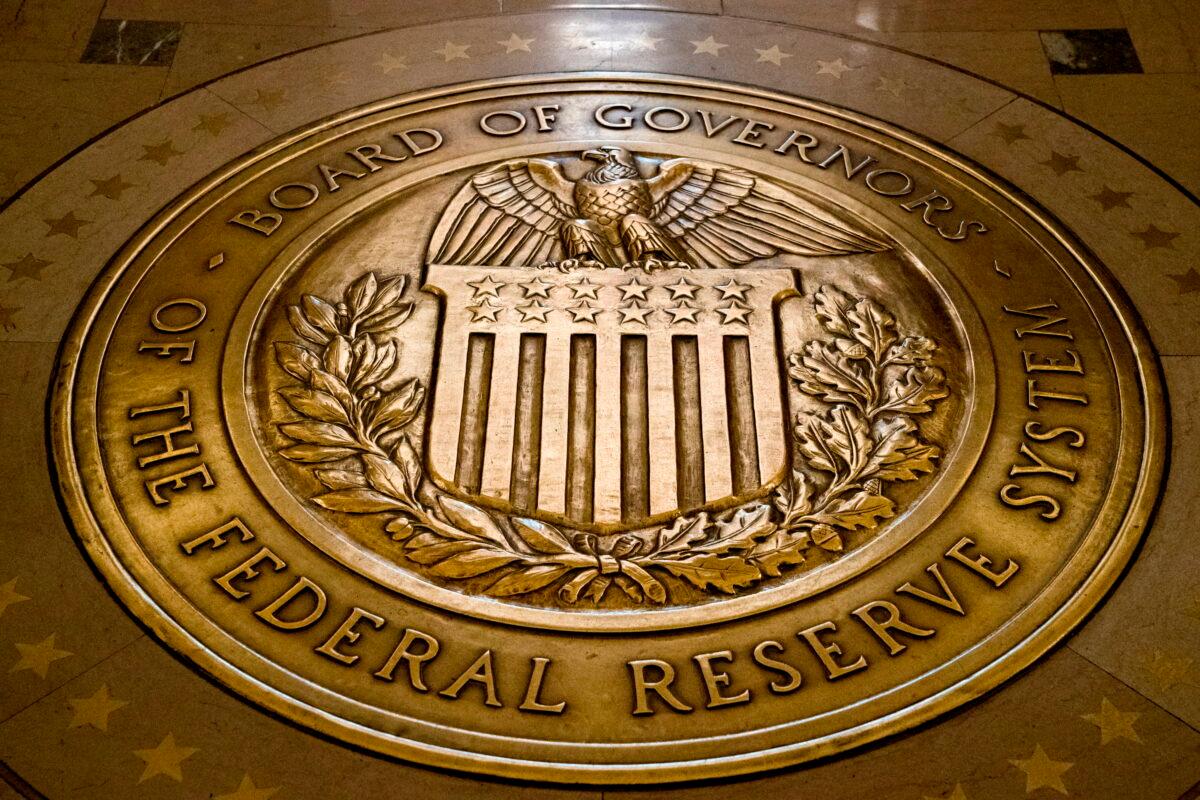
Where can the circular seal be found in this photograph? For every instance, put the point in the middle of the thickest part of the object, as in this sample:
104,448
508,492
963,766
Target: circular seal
603,430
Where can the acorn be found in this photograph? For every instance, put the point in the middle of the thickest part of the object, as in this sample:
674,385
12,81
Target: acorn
851,349
821,532
400,529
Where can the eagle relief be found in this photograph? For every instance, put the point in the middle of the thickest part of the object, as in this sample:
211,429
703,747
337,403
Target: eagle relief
611,416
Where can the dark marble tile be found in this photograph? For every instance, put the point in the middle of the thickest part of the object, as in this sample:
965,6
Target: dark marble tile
1104,51
139,43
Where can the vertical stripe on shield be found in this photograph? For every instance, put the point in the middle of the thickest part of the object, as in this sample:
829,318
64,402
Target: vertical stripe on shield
689,435
635,430
581,428
739,395
527,428
472,430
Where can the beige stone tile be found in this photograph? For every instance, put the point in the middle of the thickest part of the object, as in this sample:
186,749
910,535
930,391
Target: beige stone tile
158,155
1157,30
1148,633
1144,240
1189,29
1169,141
48,109
207,51
230,738
64,599
975,750
1148,119
313,13
1086,96
1012,58
46,30
916,15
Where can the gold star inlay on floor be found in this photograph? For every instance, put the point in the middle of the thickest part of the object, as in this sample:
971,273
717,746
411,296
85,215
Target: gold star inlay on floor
1110,198
9,596
709,46
1154,237
644,41
112,188
212,124
1010,133
160,153
451,51
772,55
1114,723
1042,772
66,225
37,658
27,266
387,62
94,710
893,86
1060,163
246,790
1187,283
835,68
166,759
268,99
1166,670
516,44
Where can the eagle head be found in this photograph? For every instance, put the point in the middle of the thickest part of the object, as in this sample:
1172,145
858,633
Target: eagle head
616,163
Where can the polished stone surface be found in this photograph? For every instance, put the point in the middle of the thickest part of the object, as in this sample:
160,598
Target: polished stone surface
91,707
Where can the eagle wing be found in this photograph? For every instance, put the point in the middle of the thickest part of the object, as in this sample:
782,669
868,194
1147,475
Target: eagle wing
726,216
509,213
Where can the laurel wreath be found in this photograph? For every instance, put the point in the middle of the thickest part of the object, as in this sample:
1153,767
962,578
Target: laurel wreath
355,416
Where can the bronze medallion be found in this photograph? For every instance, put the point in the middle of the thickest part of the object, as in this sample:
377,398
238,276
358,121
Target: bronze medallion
607,429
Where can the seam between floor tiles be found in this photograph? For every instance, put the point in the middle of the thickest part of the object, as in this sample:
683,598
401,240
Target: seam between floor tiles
72,679
1134,689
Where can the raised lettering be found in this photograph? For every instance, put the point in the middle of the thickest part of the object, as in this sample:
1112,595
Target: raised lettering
642,686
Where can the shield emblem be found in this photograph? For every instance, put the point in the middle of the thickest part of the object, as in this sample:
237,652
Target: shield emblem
608,398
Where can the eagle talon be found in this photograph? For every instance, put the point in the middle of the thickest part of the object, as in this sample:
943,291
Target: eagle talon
569,264
655,264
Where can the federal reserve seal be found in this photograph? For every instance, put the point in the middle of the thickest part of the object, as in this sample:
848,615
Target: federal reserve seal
607,429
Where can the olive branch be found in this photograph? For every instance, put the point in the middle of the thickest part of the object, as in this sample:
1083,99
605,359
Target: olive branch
356,414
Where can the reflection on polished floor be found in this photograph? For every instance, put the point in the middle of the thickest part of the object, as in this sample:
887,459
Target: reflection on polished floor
115,109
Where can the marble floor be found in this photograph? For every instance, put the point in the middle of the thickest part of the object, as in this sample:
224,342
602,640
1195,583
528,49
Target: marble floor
73,68
1114,713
